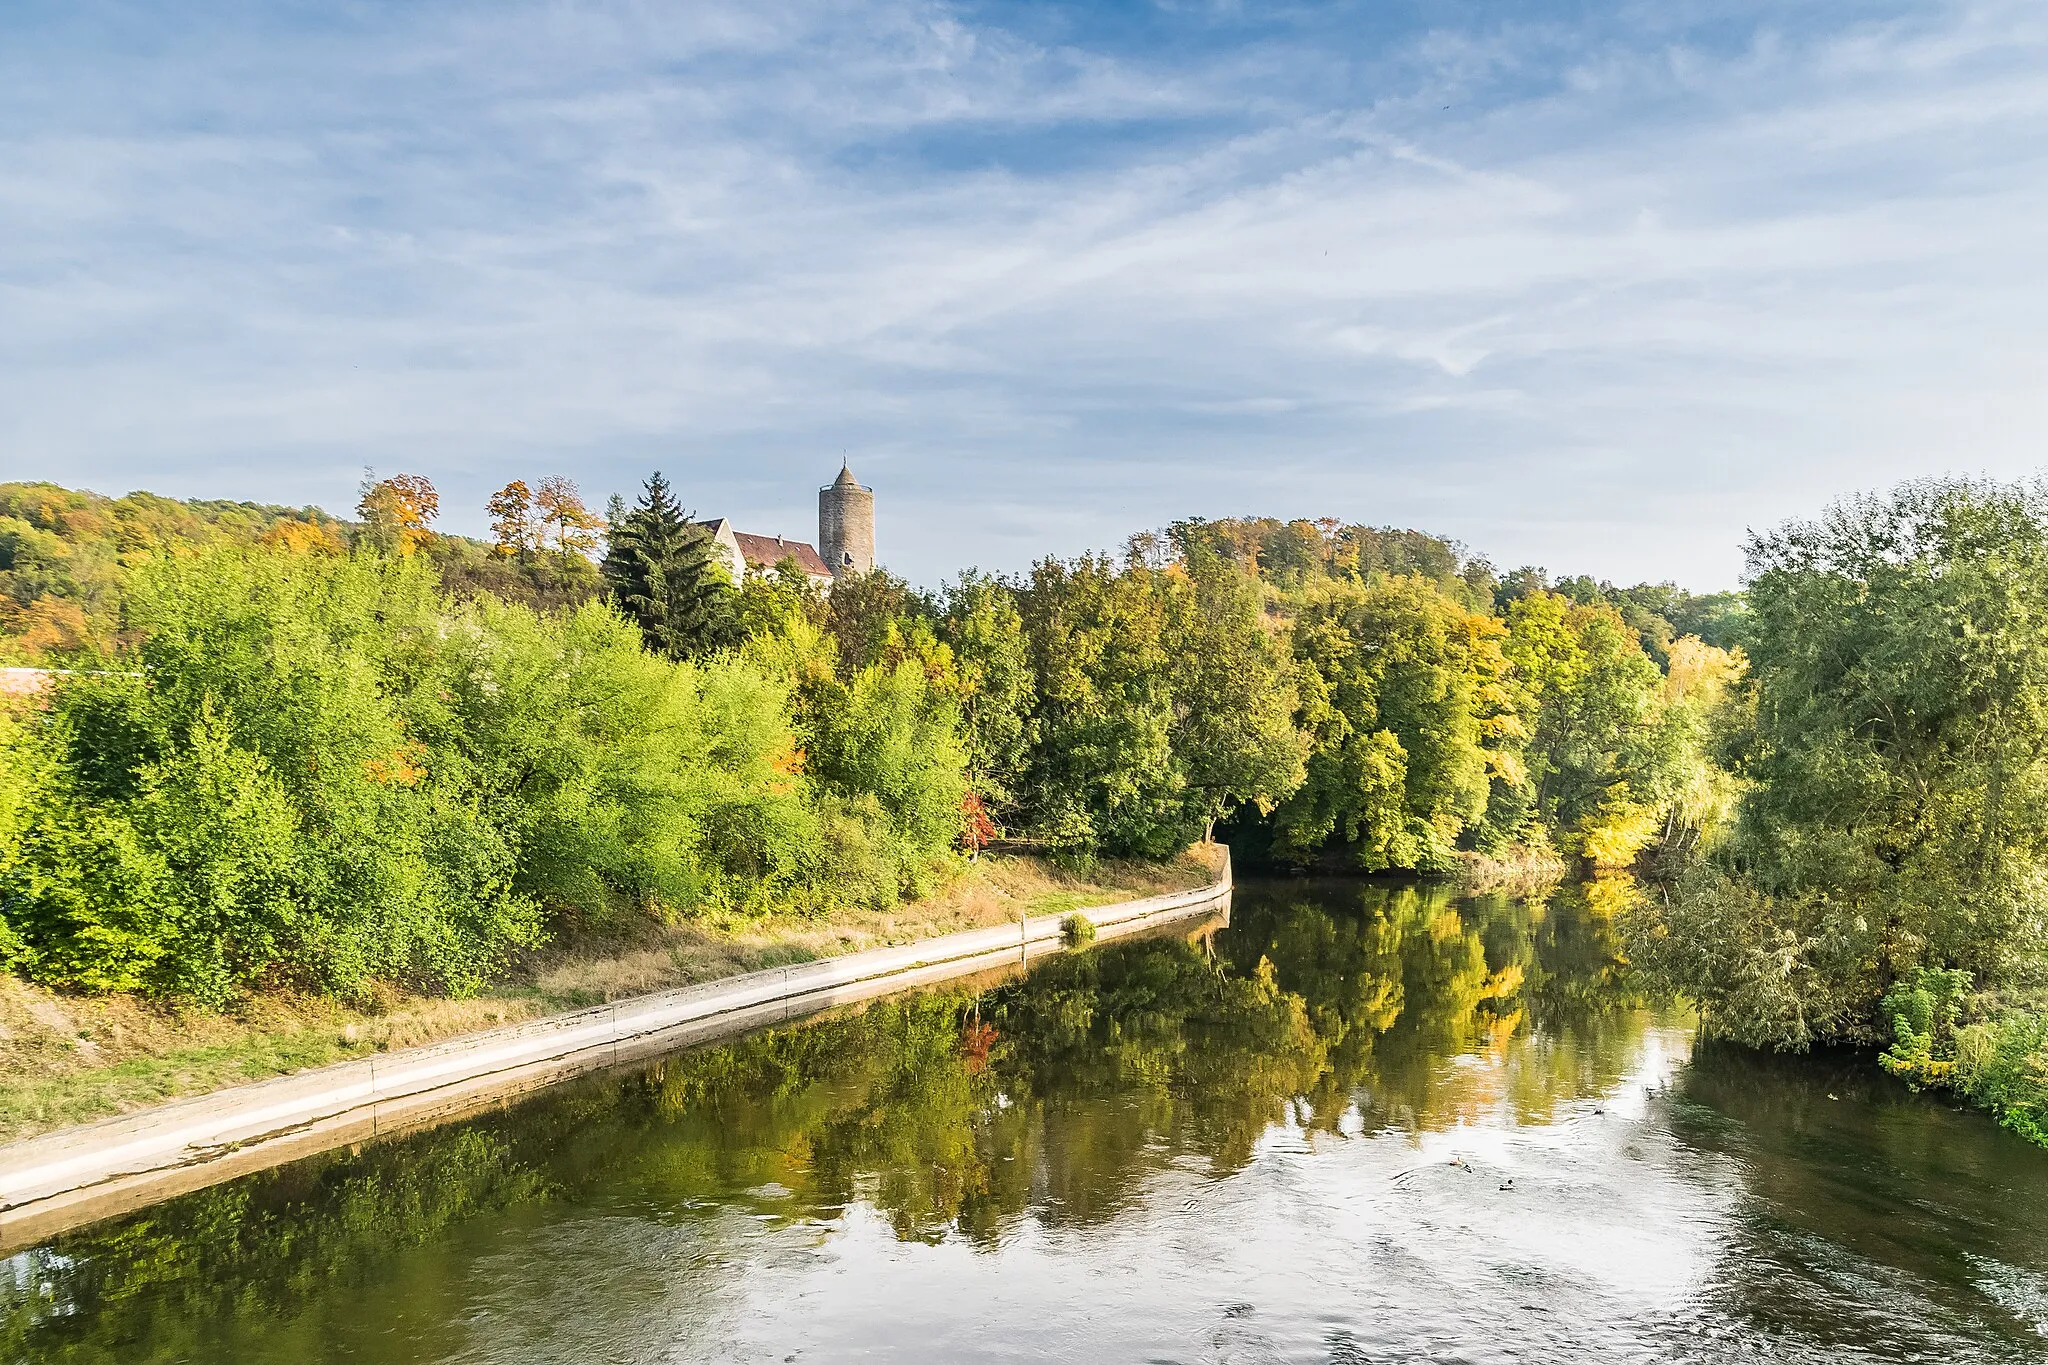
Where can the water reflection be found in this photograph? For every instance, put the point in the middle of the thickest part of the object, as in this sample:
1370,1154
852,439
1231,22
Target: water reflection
1286,1141
1428,1006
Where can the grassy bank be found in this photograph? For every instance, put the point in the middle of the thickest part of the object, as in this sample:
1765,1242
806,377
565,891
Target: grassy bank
68,1059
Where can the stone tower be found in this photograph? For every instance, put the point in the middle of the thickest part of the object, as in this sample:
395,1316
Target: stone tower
846,525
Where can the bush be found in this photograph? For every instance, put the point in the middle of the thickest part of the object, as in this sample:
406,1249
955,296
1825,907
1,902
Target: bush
250,800
1765,970
619,774
1077,931
2003,1066
1999,1064
1923,1012
883,749
320,770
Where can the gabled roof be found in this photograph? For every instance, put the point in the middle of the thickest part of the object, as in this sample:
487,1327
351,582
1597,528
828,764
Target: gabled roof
768,551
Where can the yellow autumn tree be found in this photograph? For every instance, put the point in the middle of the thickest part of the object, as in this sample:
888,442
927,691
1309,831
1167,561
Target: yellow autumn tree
514,521
396,511
302,538
563,519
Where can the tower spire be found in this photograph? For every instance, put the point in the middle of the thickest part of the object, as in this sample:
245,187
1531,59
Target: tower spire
846,524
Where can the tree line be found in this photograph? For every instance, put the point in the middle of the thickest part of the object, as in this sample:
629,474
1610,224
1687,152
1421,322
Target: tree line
310,751
1372,699
300,752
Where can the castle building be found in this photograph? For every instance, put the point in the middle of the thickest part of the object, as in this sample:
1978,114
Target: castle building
742,551
846,524
846,538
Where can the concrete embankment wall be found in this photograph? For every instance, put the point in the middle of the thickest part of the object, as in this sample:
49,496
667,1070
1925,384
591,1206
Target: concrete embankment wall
77,1175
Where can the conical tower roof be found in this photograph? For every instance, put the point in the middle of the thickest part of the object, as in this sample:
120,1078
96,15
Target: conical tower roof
845,479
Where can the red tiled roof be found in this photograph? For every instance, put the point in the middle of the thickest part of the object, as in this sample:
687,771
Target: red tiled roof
768,551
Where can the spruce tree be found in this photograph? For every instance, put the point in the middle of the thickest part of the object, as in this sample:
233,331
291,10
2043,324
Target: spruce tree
662,574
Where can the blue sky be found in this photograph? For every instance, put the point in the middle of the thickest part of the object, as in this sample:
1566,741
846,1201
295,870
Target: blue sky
1593,286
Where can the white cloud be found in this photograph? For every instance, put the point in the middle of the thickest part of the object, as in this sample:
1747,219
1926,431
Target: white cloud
1631,294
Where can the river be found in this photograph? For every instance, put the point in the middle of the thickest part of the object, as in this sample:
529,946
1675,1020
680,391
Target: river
1362,1123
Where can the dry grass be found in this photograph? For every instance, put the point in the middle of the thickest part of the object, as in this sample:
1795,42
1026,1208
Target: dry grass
69,1059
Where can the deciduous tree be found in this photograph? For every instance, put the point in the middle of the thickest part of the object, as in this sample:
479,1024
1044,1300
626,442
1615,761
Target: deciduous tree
1404,692
1101,775
978,618
397,511
1896,814
514,525
1592,696
561,517
1234,699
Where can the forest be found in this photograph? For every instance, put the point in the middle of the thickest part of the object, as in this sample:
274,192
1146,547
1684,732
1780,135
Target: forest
287,749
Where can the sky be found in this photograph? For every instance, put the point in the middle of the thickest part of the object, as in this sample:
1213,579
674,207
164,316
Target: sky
1593,286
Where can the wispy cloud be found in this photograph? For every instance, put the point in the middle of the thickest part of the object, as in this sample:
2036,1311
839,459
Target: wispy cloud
1595,289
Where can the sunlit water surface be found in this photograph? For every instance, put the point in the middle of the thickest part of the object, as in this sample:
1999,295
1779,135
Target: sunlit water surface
1363,1123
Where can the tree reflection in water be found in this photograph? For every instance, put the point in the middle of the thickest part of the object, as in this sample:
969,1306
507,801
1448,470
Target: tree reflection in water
1334,1009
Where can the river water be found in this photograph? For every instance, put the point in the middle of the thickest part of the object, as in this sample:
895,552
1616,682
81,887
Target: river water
1362,1123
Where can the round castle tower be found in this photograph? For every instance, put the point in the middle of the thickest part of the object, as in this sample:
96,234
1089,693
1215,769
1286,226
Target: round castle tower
846,525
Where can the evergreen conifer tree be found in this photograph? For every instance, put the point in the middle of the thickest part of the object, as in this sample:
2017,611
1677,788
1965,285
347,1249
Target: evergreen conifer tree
661,572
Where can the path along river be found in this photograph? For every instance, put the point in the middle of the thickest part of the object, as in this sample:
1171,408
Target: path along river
1289,1141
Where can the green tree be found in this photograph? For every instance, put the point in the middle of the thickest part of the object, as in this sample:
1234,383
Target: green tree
251,800
1404,693
979,620
867,614
1101,775
1233,734
766,600
888,740
1594,699
884,748
663,574
1896,812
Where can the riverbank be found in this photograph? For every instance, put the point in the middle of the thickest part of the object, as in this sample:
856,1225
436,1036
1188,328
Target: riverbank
82,1174
67,1059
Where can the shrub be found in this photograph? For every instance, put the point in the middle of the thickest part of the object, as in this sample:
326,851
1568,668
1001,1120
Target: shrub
620,774
2000,1064
250,799
321,770
2003,1066
1923,1011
